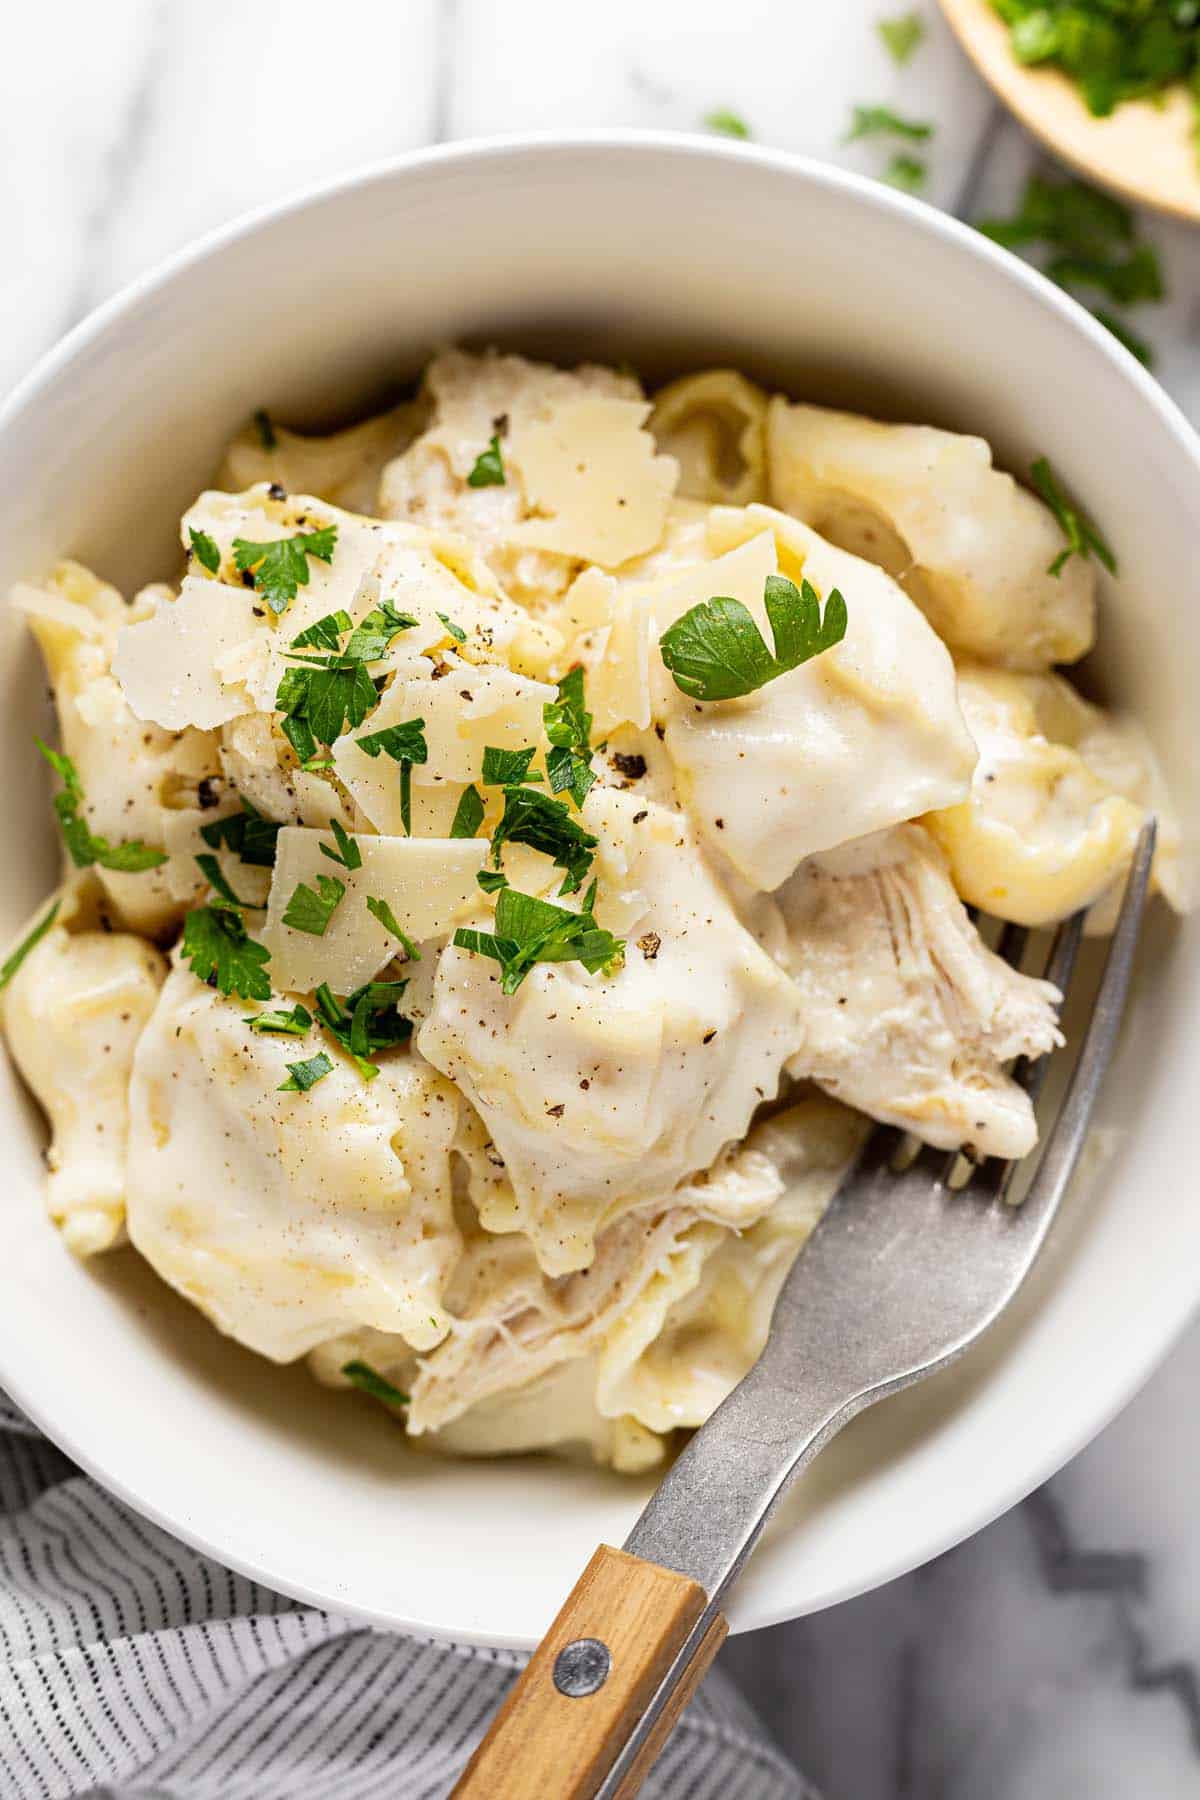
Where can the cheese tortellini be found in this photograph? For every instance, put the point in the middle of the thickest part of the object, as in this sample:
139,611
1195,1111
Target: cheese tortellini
452,989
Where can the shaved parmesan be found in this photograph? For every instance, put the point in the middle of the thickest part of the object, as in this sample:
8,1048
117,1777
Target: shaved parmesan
429,883
167,664
595,477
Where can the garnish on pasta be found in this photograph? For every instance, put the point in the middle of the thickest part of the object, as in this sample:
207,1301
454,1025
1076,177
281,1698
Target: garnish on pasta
1081,535
279,569
715,651
83,845
222,953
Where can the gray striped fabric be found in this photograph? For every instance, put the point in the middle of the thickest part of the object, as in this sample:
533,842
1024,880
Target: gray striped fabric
130,1665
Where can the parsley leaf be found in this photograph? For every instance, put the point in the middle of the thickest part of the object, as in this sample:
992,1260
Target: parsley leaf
728,124
281,1022
872,121
327,633
908,173
368,1022
1070,214
489,467
311,911
1081,535
370,640
901,36
1114,50
347,852
266,430
210,868
491,880
1136,279
204,549
380,910
83,846
456,631
403,743
222,953
715,650
319,702
529,931
29,942
305,1075
504,767
544,824
468,814
568,727
247,833
1137,346
362,1375
280,568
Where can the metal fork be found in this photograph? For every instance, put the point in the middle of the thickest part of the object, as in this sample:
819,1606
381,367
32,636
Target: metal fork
903,1273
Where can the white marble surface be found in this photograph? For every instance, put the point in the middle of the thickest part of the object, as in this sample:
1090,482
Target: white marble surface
1057,1653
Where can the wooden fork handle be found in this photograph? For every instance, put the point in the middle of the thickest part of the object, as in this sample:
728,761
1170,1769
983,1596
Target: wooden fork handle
590,1680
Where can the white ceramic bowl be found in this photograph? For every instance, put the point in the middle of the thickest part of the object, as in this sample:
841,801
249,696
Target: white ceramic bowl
673,252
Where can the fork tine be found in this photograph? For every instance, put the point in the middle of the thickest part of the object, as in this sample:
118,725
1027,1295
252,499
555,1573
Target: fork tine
1011,945
1070,1128
1059,969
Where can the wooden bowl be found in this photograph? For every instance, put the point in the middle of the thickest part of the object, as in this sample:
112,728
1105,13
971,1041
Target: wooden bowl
1145,150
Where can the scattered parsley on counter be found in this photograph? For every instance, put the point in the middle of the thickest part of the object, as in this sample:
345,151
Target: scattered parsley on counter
280,568
265,429
728,124
222,953
529,931
875,121
544,824
902,36
1137,346
305,1075
247,834
83,846
505,768
1081,535
362,1375
212,872
204,549
380,910
347,853
908,173
568,726
489,466
468,814
29,942
282,1023
715,650
310,910
373,638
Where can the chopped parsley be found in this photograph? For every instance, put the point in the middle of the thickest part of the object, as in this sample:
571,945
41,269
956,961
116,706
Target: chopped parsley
211,869
247,834
305,1075
456,631
282,1023
83,845
361,1375
491,880
331,688
373,638
489,466
715,651
1136,279
908,173
468,814
367,1022
265,429
379,909
1081,535
902,36
406,744
727,124
568,726
204,549
1114,50
347,852
280,568
29,942
222,953
530,931
876,121
504,767
1137,346
311,909
533,818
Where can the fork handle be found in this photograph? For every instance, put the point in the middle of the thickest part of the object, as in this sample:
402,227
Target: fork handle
590,1680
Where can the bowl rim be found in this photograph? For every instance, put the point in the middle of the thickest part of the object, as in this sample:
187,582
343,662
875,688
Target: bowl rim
1168,1324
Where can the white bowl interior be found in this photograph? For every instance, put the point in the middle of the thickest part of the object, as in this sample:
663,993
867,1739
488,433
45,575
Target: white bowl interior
673,253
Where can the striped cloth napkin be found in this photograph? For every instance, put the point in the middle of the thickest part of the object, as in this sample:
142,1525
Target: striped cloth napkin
131,1665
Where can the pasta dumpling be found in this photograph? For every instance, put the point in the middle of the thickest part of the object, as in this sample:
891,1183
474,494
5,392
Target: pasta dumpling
972,547
714,425
288,1217
344,467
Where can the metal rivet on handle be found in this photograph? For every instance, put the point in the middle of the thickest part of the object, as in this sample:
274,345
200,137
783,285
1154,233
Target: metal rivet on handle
581,1667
